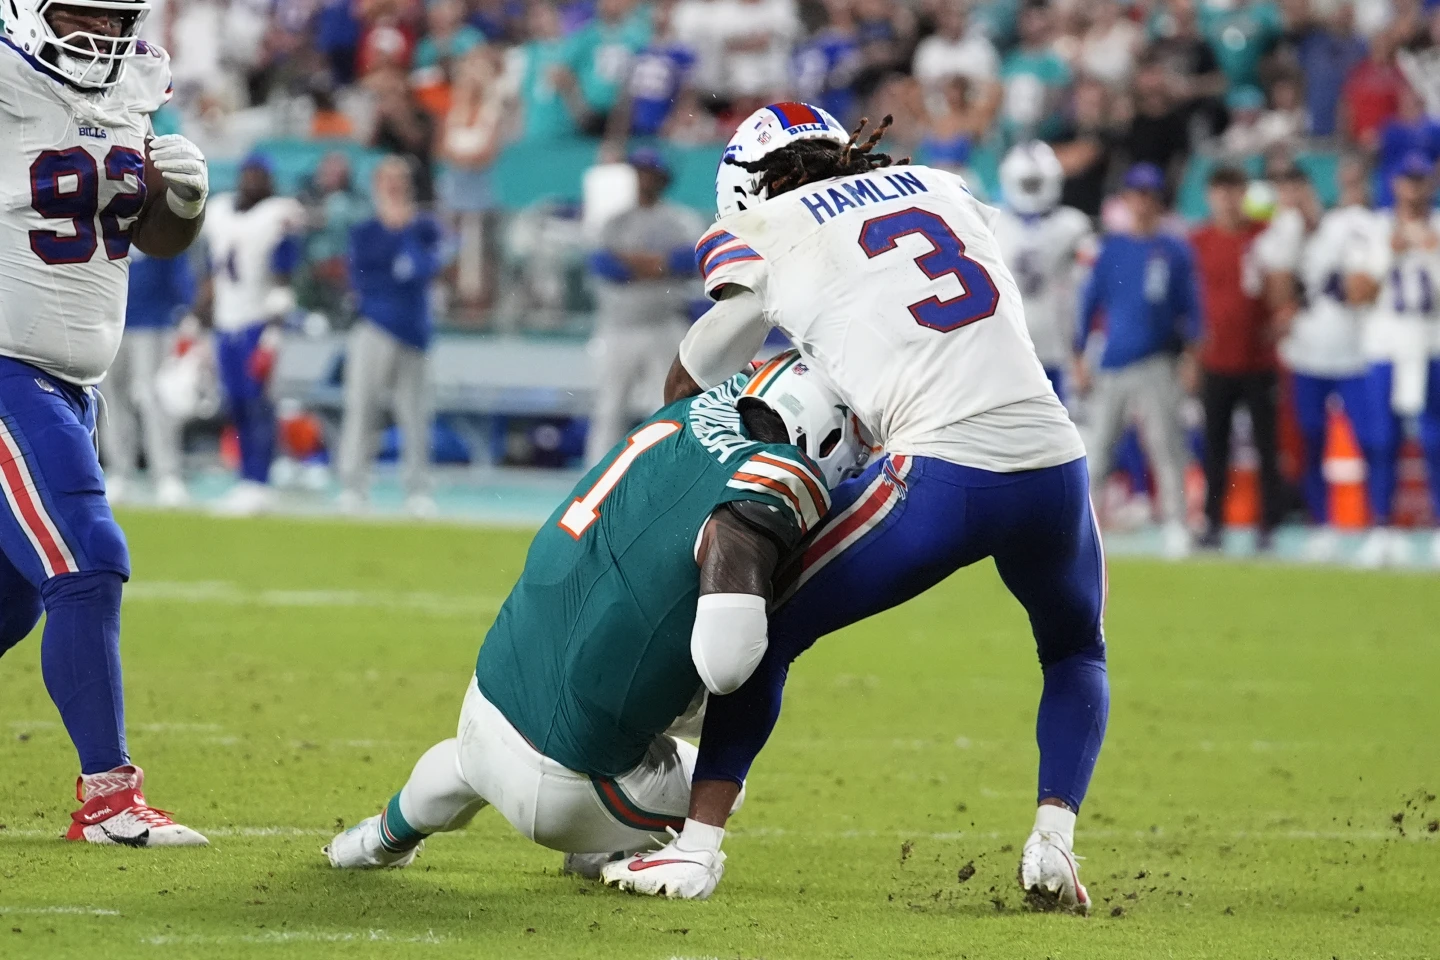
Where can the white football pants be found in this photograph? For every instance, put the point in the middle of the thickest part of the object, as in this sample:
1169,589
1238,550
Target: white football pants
1149,391
381,371
490,762
134,411
627,358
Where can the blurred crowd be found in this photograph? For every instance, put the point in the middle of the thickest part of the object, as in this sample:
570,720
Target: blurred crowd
449,84
1257,108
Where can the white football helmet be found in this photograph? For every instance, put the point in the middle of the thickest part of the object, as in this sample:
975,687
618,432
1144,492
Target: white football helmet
1031,178
84,59
763,132
820,424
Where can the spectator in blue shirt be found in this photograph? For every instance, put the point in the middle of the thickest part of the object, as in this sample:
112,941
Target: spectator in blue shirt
1409,133
825,66
1144,286
657,75
1328,50
393,258
161,292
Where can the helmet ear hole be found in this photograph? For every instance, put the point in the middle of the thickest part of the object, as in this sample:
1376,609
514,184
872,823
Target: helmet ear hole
830,442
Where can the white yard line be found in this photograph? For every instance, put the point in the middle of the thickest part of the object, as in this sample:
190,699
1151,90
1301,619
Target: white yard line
292,936
226,592
88,911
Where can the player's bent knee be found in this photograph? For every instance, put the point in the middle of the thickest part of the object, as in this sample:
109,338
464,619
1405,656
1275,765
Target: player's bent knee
1090,647
436,799
18,615
100,541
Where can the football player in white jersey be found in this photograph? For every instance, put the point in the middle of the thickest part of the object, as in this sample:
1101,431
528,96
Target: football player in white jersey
889,279
76,93
252,237
1398,271
1047,247
1303,253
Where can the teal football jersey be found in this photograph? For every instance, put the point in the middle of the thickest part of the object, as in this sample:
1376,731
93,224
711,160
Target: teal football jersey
589,657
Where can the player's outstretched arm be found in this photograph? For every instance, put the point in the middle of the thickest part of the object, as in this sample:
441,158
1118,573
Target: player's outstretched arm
719,344
167,229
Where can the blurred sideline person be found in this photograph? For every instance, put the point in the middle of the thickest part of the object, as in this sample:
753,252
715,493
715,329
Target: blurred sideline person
1303,255
643,277
645,591
253,242
393,258
1144,283
161,291
1046,247
1237,354
1398,271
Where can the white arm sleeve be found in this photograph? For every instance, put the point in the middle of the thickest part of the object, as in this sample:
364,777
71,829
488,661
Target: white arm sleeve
726,338
728,640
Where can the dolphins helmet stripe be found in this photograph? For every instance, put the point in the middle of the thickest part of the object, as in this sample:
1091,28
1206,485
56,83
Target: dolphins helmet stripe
765,377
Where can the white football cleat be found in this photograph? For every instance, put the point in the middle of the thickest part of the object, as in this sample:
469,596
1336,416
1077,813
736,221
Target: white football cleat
351,504
115,814
246,499
1175,541
1383,547
1435,549
170,493
1049,874
689,867
359,848
1321,546
422,506
116,489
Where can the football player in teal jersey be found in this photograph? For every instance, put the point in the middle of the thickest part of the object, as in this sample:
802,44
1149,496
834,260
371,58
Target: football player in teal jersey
645,589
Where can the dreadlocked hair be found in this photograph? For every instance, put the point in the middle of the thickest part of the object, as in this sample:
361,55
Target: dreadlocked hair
808,161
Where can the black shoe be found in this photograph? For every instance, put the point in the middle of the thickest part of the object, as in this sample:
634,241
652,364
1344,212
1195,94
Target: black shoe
1211,539
1265,541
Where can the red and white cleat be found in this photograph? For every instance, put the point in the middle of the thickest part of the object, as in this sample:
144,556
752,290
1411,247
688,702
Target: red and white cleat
115,813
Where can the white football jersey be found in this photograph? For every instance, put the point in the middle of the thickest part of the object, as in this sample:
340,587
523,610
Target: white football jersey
892,283
1324,337
1047,255
242,248
1405,319
69,193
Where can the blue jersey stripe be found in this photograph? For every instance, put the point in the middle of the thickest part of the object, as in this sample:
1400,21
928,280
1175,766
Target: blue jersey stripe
708,245
730,256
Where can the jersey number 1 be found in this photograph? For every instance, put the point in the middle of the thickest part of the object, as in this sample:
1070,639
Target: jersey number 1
65,185
980,296
585,511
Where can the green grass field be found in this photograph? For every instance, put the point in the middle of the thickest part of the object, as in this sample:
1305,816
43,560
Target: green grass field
1270,727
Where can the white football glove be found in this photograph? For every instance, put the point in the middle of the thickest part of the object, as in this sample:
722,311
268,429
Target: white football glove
689,867
182,165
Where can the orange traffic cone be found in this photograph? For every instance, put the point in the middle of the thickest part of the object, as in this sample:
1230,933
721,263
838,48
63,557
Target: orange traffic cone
1345,474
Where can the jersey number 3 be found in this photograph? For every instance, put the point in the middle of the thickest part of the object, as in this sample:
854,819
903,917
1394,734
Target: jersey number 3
65,185
980,296
583,512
